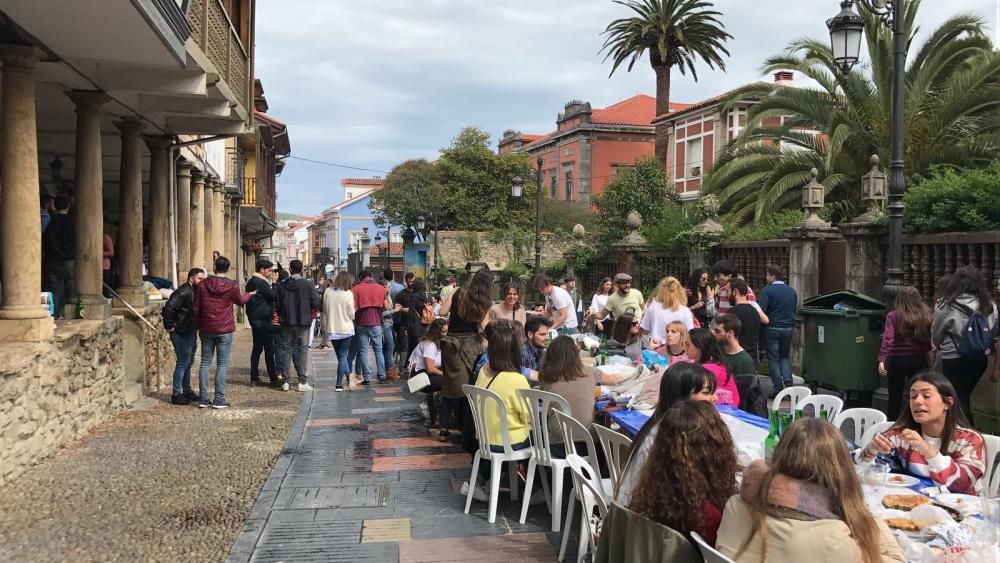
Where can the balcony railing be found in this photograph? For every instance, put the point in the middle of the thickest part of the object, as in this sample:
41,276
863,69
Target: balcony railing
214,33
250,192
258,194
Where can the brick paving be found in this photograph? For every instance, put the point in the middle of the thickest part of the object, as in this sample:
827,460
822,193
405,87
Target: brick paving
360,479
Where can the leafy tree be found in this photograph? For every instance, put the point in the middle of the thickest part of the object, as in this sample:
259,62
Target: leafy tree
642,188
952,97
952,200
675,33
408,189
564,215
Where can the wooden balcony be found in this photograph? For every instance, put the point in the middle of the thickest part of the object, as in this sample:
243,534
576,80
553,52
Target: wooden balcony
213,32
259,195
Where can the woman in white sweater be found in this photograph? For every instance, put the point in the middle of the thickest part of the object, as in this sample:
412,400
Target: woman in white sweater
338,321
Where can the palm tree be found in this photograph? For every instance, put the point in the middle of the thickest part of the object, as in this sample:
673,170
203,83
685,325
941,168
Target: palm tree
952,98
676,33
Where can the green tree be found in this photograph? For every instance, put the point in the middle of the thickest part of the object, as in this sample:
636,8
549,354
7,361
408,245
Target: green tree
675,33
562,215
952,200
952,96
642,188
408,189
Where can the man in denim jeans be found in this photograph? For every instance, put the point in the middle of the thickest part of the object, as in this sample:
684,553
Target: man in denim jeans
370,300
213,307
388,323
178,319
778,301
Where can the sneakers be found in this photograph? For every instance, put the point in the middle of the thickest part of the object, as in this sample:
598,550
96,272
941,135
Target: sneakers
204,404
479,493
383,381
192,397
444,435
305,387
338,388
284,386
221,405
179,400
366,383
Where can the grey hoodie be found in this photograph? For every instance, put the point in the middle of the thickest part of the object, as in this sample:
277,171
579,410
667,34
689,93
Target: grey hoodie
946,329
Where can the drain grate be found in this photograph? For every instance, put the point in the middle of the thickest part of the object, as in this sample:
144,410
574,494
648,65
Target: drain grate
360,496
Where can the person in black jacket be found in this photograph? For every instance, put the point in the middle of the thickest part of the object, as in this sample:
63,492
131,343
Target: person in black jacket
260,310
297,301
58,247
178,319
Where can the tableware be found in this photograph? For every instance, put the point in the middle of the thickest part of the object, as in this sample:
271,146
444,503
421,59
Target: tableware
875,475
899,480
966,505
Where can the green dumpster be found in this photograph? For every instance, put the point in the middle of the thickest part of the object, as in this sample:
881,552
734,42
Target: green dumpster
843,332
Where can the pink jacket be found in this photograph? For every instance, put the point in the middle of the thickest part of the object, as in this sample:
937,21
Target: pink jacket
719,371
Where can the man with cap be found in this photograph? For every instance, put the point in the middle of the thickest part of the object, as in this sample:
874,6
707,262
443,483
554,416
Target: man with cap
624,300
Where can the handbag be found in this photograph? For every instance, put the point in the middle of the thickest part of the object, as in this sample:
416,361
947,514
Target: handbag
418,381
427,315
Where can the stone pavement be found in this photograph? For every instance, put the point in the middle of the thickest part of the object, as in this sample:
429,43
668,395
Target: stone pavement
361,479
156,483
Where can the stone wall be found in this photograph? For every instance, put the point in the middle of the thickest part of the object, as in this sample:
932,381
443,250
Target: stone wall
54,391
453,254
151,343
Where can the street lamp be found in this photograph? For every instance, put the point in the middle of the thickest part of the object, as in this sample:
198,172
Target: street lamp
421,223
846,29
517,191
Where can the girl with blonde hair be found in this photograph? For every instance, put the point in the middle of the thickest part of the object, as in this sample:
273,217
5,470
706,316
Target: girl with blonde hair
669,303
807,506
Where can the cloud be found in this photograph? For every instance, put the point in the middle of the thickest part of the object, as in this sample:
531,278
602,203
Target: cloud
373,83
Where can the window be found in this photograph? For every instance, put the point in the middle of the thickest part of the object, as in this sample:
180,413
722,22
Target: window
354,240
568,174
693,154
553,185
617,169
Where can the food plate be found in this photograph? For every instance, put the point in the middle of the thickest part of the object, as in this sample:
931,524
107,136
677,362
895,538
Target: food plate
966,505
898,480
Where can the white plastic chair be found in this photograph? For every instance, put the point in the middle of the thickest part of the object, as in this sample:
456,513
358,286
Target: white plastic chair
991,479
479,399
587,488
863,419
615,447
709,553
795,394
573,432
831,403
539,403
874,429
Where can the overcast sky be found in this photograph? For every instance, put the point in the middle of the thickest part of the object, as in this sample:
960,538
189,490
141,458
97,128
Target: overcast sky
373,83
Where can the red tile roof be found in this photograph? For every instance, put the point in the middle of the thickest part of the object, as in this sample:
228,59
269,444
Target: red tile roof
637,110
395,248
362,181
264,116
530,138
707,102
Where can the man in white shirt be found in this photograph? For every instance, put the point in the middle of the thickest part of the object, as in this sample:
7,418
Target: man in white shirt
559,305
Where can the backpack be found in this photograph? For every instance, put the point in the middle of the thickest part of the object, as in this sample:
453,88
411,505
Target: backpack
977,334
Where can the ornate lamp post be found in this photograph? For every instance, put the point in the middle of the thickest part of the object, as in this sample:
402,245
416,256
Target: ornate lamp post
846,31
517,190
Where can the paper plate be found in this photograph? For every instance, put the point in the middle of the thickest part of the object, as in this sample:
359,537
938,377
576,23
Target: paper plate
898,480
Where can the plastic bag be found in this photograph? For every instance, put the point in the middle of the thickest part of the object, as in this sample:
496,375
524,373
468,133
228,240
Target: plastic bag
651,358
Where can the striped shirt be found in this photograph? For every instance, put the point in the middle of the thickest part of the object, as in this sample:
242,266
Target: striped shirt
961,469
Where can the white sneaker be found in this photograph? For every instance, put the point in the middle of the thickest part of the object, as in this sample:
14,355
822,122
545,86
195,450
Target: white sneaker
479,493
284,386
305,387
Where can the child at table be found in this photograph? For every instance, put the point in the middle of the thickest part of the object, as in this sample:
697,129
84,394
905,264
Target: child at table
931,438
680,382
807,505
690,472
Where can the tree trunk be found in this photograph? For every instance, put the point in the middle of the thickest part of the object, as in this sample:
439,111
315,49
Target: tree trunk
662,108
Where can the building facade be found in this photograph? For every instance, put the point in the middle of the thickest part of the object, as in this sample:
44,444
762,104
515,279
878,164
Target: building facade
590,146
340,230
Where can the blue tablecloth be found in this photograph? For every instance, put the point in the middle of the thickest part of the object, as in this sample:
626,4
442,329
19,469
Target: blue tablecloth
631,421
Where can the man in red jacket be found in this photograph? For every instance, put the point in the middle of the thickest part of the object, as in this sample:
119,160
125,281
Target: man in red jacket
370,299
213,309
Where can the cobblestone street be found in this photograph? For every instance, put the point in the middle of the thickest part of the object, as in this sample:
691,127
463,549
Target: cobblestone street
361,480
156,483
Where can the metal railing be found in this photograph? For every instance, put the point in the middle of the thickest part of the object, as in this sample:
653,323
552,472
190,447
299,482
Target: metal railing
928,257
214,33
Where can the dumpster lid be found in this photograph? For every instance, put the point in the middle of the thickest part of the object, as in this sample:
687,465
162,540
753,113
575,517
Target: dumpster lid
850,300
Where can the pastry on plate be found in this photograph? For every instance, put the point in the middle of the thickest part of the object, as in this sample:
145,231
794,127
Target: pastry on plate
904,502
904,524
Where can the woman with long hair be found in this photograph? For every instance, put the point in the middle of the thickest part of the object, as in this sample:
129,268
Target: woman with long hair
338,322
690,471
626,339
426,357
932,439
562,372
466,309
510,307
676,344
806,506
599,303
965,297
700,297
669,303
703,349
906,344
680,382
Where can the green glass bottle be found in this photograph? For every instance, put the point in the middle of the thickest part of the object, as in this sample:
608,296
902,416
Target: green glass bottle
771,441
786,421
823,413
604,351
798,414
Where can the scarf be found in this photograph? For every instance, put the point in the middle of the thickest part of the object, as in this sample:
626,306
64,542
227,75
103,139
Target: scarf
791,497
257,275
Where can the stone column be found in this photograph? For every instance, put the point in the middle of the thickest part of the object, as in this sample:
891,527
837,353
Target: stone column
865,256
227,210
210,227
23,318
198,204
804,257
130,207
184,228
89,206
220,218
159,206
